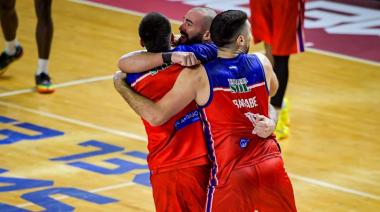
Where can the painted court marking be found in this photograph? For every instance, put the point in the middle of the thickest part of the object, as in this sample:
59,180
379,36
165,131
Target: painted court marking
141,138
76,122
97,190
60,85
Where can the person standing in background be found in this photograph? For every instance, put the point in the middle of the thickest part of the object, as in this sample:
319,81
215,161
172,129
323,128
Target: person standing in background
280,25
44,36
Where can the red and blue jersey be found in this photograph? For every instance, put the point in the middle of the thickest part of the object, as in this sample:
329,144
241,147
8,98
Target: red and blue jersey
180,142
238,91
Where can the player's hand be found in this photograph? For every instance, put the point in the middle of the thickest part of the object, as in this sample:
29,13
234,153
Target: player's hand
119,80
264,126
176,40
186,59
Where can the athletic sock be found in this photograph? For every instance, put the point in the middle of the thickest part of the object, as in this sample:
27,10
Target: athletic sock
10,47
42,66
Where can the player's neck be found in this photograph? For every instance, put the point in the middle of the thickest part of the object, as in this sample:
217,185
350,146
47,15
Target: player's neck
226,53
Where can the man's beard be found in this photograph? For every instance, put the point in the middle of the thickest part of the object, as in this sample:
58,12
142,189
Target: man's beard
184,39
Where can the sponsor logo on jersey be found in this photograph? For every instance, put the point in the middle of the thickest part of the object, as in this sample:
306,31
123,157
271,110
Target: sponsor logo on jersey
244,142
239,85
233,67
245,103
158,69
189,118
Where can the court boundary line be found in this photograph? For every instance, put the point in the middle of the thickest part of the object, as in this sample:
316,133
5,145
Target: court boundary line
75,121
342,56
60,85
314,50
140,138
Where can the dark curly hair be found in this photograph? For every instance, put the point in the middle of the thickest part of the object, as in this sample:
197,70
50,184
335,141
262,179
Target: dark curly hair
155,32
226,26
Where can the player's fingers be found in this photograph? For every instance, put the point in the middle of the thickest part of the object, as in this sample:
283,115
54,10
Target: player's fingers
192,60
182,60
189,61
116,75
260,117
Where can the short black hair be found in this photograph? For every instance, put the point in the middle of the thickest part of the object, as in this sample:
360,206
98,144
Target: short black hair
155,32
226,25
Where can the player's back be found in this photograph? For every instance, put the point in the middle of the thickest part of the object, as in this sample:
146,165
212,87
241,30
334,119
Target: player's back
238,92
179,143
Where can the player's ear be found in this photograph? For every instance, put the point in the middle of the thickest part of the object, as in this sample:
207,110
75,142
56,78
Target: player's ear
142,43
206,36
240,41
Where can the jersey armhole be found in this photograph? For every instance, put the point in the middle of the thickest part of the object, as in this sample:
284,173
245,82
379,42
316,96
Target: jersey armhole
263,72
211,96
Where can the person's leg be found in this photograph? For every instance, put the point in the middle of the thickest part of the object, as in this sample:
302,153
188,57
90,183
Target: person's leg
44,29
275,188
281,68
9,20
268,53
192,187
44,36
9,24
239,193
181,190
164,191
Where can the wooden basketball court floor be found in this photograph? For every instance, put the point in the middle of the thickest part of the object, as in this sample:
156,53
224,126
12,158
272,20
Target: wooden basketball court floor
82,148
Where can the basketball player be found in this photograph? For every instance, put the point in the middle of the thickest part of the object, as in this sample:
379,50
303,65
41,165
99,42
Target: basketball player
233,93
195,30
280,25
44,35
177,159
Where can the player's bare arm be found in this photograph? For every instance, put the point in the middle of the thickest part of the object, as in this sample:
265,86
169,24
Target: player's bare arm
137,102
271,78
140,61
191,84
185,89
266,126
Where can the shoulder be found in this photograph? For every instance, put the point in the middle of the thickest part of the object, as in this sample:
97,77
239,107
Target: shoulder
193,75
263,60
259,55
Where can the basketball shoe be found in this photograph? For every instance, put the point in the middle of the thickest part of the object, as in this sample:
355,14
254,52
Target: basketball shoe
282,128
6,59
44,84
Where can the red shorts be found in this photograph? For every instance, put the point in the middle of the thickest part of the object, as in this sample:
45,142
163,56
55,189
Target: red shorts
181,190
279,23
262,187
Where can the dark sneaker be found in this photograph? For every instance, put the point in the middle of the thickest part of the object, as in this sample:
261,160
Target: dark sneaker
43,83
6,59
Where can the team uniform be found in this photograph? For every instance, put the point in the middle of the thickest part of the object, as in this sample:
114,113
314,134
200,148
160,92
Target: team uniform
177,155
279,23
204,52
247,172
177,159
